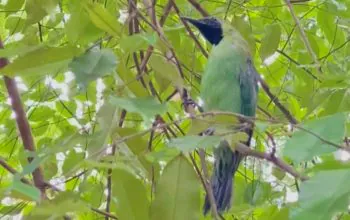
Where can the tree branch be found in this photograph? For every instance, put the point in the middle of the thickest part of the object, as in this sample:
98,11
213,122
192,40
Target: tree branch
7,167
106,214
23,125
245,150
276,101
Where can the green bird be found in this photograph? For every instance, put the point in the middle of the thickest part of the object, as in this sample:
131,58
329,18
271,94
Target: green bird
229,83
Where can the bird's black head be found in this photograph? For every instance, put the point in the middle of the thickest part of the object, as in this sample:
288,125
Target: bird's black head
209,27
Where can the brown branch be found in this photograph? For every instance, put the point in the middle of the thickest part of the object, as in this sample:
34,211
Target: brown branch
134,28
150,48
166,12
276,101
7,167
23,125
158,28
245,150
303,35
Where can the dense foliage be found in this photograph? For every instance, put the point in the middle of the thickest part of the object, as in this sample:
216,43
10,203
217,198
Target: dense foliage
107,85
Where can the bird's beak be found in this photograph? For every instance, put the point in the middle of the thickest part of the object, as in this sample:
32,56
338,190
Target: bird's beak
192,21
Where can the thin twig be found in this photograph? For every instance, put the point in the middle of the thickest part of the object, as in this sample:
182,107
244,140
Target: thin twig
322,139
166,12
208,186
23,126
7,167
277,102
199,8
109,171
106,214
190,32
303,35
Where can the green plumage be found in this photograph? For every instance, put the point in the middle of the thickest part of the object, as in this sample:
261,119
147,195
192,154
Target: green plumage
228,84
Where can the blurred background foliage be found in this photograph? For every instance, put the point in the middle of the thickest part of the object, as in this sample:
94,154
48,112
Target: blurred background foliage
100,82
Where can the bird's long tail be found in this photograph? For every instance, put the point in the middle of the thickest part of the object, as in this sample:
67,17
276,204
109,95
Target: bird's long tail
225,165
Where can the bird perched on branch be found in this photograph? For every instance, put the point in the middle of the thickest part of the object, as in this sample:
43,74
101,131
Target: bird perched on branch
229,84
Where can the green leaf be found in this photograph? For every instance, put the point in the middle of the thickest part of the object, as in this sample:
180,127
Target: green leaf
32,166
103,19
42,61
323,195
92,65
270,41
177,192
71,160
304,146
41,113
137,144
331,164
38,9
12,6
148,107
274,213
14,24
189,143
138,41
63,203
166,72
26,190
245,30
10,210
327,23
165,154
339,101
130,197
79,28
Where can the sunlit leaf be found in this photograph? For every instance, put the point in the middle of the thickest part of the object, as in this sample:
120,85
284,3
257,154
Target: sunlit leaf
12,6
269,43
147,107
166,72
130,196
334,198
103,19
79,28
189,143
177,192
138,41
304,145
14,24
38,9
26,190
64,203
42,61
